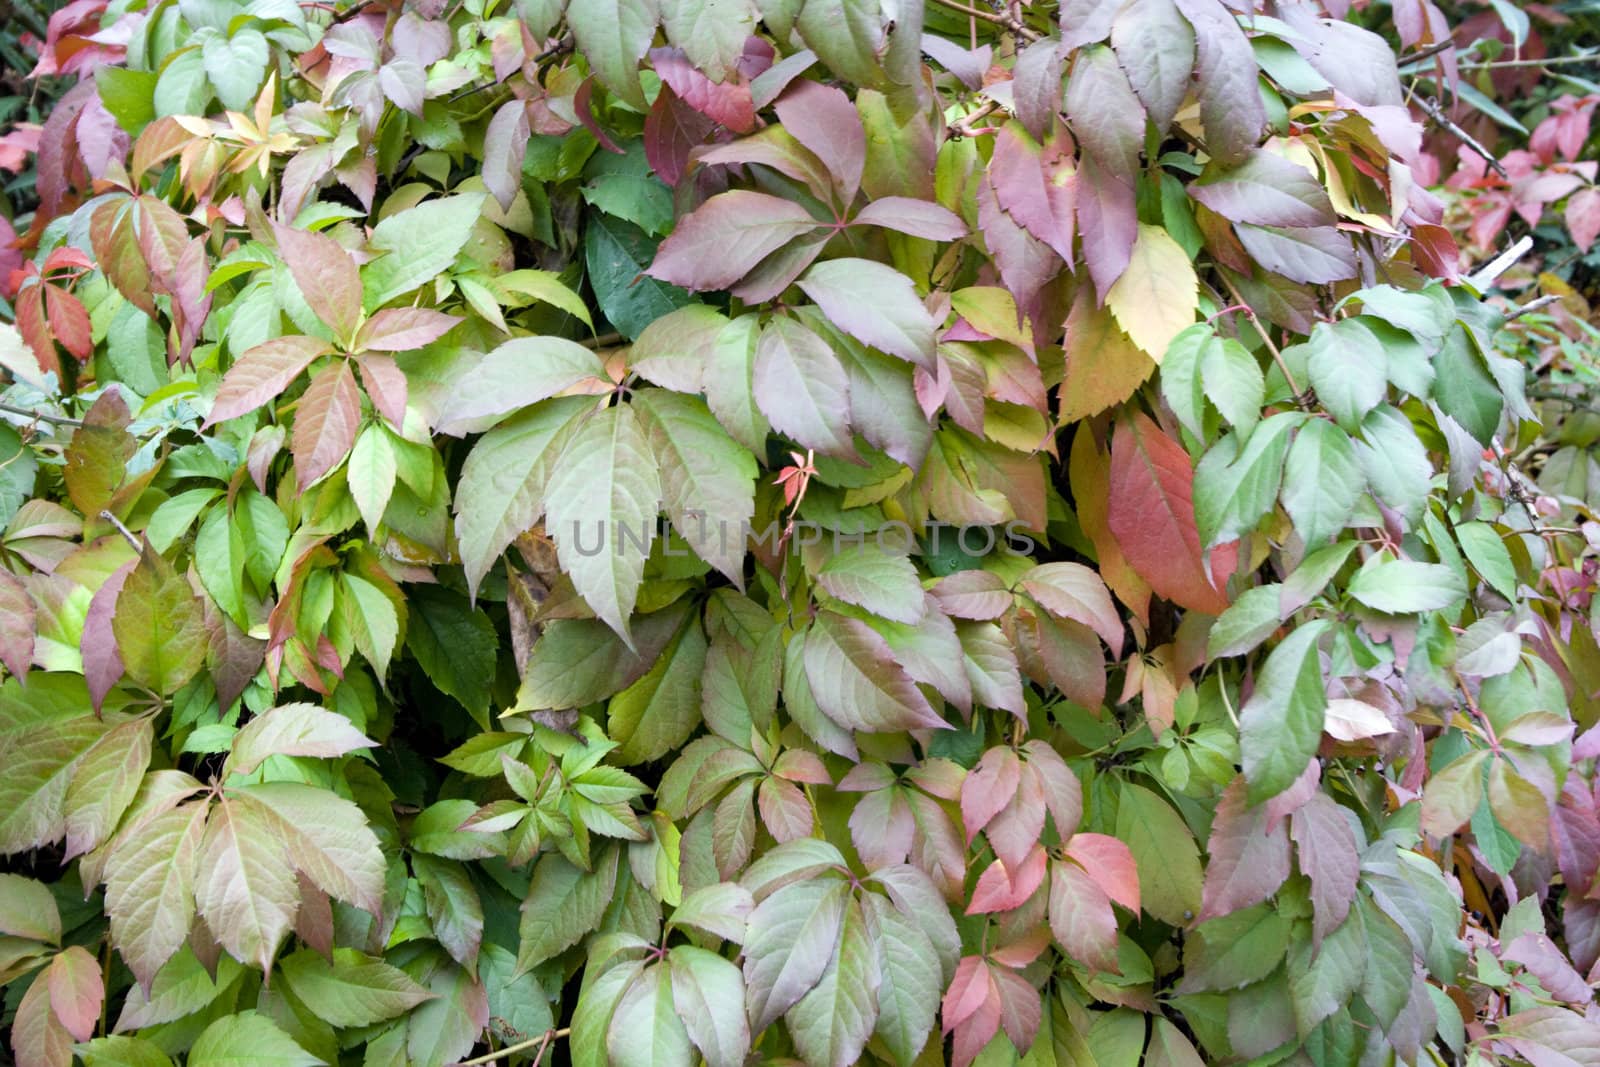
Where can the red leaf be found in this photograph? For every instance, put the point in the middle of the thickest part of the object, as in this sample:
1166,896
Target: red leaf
76,991
1000,889
386,386
262,374
1248,861
35,330
69,322
326,275
505,142
988,788
1109,862
325,424
671,131
726,237
1020,1007
403,329
1150,512
1081,918
824,120
726,102
1037,185
1327,851
1108,219
1583,217
16,625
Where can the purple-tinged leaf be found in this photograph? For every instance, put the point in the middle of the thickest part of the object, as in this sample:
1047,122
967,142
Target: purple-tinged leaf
1026,264
1085,22
875,304
672,130
1313,255
727,103
857,682
325,423
1249,861
262,374
1037,185
17,627
1036,83
1230,102
724,239
802,388
504,143
919,218
969,66
1108,218
294,730
1265,189
980,595
1107,118
1326,848
403,329
824,120
386,386
1073,591
1156,49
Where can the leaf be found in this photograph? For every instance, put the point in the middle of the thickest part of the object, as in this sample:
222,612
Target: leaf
455,910
1156,49
832,1022
503,483
792,937
657,713
403,329
351,989
1081,919
28,910
1280,725
294,730
919,218
326,422
613,35
37,1037
1157,296
262,374
708,996
421,242
455,645
856,681
1320,985
824,120
1322,481
248,1039
875,304
1326,849
1313,255
1234,950
1349,370
1073,591
245,888
616,255
1165,853
801,386
1232,380
120,1051
672,351
1265,189
1489,557
1104,366
1453,794
326,837
160,631
1151,514
1237,482
724,239
1106,117
711,32
1518,805
563,905
104,784
1249,856
235,66
150,888
1403,586
909,979
707,479
326,276
77,990
1230,102
645,1028
870,577
604,494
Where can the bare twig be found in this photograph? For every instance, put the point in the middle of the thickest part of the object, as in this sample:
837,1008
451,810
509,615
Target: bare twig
1558,61
1266,339
1426,53
605,340
1014,25
542,1042
1484,277
127,534
1532,306
42,416
1436,113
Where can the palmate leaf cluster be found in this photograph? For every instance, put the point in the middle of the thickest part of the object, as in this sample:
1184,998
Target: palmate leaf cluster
660,531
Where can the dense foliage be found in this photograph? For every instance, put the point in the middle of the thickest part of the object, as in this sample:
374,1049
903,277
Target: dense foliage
646,531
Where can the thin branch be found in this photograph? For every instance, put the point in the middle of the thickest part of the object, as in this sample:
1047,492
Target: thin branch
605,340
42,416
1484,277
542,1041
1532,306
1557,61
123,530
1438,116
1426,53
1014,25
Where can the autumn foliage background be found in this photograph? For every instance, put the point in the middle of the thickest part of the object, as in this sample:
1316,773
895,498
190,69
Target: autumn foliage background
1167,429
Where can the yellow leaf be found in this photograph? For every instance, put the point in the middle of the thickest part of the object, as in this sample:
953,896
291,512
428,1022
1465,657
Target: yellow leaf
1104,367
1157,296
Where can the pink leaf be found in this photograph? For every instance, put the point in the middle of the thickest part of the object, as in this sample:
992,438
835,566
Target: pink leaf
325,423
723,240
1248,861
403,329
16,626
824,120
1109,862
262,374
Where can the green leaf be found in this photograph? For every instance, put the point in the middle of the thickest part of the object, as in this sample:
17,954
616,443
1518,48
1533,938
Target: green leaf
613,35
1349,370
730,382
294,730
881,582
352,989
910,976
1403,586
160,631
326,837
578,661
625,186
875,304
503,481
121,1051
150,888
236,66
1165,853
801,386
1280,725
1253,617
516,375
707,478
563,905
604,494
248,1039
1489,557
245,888
182,87
1181,384
1236,485
1453,794
455,644
421,243
657,713
1464,389
708,996
370,473
128,94
1234,950
1322,481
616,254
1396,463
1322,983
28,910
832,1022
711,32
1233,382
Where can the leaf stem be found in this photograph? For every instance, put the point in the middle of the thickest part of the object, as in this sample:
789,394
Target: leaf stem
542,1041
605,340
1266,339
